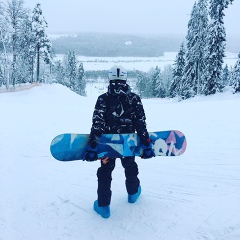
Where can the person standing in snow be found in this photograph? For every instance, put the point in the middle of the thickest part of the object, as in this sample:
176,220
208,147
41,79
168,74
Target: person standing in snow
117,111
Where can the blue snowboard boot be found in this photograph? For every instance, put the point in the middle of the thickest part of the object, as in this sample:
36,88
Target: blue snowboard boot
133,198
103,211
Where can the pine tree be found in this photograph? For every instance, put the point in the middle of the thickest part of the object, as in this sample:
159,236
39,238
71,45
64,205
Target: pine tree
236,76
156,82
59,73
143,85
167,78
81,81
200,46
189,76
215,49
148,91
140,85
195,47
215,52
160,88
71,70
225,76
179,65
42,45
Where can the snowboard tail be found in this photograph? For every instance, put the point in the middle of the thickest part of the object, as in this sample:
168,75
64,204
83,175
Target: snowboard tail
69,147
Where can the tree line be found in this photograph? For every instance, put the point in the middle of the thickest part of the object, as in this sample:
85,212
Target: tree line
198,67
26,54
70,73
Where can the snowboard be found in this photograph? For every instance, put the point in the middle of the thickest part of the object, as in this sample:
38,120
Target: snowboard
69,147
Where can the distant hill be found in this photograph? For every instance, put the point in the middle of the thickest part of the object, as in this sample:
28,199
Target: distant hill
121,45
116,45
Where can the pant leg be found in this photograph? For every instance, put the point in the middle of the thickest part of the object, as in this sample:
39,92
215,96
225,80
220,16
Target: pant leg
104,175
131,173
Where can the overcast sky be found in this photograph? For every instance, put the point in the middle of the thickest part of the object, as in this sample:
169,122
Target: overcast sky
125,16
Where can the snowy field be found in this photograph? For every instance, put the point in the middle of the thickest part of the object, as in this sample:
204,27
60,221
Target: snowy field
137,63
194,196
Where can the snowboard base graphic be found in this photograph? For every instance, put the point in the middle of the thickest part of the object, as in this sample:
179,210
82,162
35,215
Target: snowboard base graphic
69,147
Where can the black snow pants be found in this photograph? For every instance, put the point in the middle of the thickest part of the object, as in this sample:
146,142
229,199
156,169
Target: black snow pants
104,175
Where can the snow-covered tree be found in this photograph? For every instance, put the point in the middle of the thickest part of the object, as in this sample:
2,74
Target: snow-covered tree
177,73
59,72
69,75
157,87
26,58
71,70
189,76
195,46
167,79
215,48
4,59
144,86
155,77
1,77
15,15
81,81
226,76
236,76
199,48
42,45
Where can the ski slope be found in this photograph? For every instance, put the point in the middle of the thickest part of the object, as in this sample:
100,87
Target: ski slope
194,196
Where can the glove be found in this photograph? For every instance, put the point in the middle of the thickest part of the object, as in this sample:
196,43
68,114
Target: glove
91,154
147,151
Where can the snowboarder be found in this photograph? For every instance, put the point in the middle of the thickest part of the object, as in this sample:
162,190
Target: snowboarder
117,111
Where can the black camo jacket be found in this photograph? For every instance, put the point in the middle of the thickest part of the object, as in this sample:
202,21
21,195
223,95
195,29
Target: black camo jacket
118,113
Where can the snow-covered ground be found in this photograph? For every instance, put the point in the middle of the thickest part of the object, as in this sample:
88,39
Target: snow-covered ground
194,196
